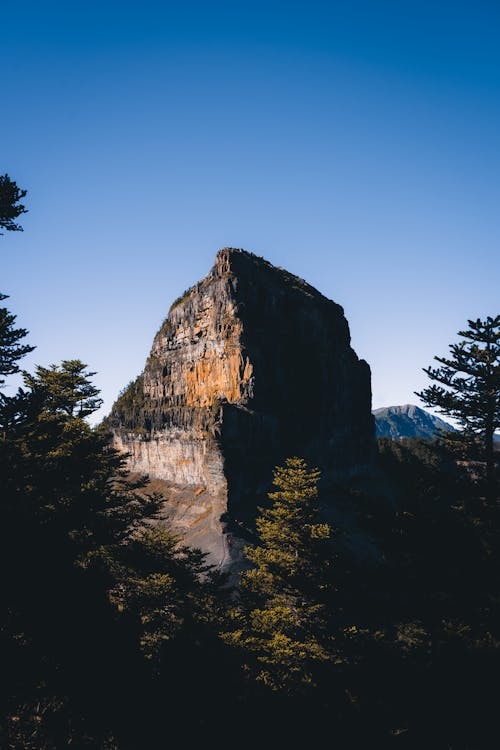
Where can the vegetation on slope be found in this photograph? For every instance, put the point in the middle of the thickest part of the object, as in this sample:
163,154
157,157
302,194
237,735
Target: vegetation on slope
106,621
115,636
129,409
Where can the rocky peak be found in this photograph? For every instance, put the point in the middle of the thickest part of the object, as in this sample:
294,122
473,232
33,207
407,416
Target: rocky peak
407,420
251,365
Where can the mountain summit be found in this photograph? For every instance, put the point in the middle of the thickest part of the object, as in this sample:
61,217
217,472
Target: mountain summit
407,421
251,365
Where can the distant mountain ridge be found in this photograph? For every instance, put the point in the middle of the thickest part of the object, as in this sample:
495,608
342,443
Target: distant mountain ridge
407,420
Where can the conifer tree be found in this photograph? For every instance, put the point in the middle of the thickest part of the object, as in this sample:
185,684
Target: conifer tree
67,505
10,207
92,589
11,350
168,587
469,390
281,623
89,588
65,473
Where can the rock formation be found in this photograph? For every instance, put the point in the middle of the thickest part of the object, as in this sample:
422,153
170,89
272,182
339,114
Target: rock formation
251,365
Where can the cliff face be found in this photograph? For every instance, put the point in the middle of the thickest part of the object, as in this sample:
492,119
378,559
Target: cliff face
251,365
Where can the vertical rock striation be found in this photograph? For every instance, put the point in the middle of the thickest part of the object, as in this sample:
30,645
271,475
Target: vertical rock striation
251,365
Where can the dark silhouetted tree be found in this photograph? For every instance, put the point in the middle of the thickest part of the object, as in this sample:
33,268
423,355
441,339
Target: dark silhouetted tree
10,207
467,388
96,602
11,350
67,507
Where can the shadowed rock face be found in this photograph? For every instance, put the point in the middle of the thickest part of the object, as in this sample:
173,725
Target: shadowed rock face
251,365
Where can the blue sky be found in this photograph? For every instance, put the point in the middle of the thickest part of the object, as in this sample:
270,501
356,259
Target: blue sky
356,144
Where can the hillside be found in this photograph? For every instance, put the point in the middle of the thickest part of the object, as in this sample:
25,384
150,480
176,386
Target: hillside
407,420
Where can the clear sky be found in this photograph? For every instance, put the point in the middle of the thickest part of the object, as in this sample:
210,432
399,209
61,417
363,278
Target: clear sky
354,143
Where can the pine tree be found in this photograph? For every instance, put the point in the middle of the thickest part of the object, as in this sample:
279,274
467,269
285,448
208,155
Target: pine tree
11,350
66,390
281,623
469,390
64,473
96,602
89,588
168,587
10,208
67,507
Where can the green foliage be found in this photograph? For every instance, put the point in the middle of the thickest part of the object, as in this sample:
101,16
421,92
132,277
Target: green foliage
11,351
64,390
64,474
129,411
179,300
280,624
106,618
98,608
135,411
10,207
94,594
166,586
469,390
74,538
65,498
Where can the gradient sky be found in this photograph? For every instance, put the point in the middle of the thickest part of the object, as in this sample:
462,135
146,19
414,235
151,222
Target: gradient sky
354,143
